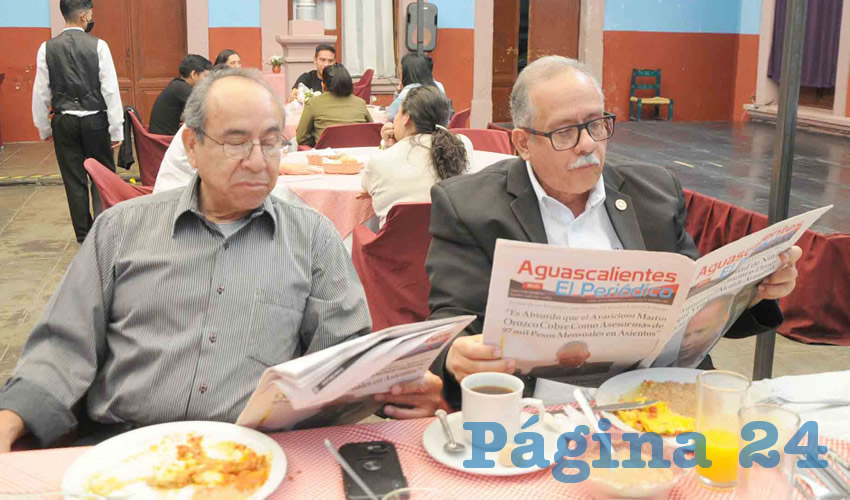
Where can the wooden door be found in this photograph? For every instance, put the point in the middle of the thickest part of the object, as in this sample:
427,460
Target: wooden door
159,44
553,28
147,39
112,25
505,55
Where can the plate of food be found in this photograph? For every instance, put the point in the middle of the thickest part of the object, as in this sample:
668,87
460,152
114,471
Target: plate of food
674,413
180,460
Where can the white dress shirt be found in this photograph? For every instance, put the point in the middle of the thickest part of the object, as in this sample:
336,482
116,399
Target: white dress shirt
174,171
42,96
592,229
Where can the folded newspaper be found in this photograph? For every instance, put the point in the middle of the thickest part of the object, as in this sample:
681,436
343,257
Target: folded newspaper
336,385
582,316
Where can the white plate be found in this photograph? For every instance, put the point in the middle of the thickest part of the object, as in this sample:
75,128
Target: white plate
433,439
618,387
109,453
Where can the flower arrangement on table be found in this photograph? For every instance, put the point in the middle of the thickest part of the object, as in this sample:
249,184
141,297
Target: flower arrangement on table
276,62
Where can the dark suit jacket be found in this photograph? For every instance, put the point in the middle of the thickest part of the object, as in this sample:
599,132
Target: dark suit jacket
469,212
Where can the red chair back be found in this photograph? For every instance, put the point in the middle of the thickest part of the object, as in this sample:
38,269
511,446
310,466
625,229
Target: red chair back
352,135
363,88
460,119
150,148
495,141
112,188
391,265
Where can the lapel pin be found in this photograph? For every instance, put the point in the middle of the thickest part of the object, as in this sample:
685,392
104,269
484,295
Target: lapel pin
621,204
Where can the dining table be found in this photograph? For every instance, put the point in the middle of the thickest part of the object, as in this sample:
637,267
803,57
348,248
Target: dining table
313,473
338,197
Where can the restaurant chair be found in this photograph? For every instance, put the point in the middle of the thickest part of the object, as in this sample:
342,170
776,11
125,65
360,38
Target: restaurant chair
495,141
111,187
150,149
363,87
636,102
460,119
352,135
391,265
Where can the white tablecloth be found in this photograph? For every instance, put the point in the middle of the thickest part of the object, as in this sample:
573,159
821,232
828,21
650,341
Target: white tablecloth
335,196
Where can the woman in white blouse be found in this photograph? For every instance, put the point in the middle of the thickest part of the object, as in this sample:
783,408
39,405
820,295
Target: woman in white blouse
421,152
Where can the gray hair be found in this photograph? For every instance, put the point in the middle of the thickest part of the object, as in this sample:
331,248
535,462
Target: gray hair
195,112
539,71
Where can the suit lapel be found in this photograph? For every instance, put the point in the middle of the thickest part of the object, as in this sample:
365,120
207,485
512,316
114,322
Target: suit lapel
621,211
525,206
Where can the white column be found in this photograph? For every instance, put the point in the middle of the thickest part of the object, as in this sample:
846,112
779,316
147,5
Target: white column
482,70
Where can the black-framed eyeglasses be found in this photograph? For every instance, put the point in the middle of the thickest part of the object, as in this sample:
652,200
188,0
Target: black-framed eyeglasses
273,148
564,138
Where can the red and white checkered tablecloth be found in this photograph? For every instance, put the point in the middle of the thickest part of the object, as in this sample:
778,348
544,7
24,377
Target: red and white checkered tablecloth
313,473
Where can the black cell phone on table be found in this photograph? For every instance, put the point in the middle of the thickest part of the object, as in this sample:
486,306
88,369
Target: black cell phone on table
376,462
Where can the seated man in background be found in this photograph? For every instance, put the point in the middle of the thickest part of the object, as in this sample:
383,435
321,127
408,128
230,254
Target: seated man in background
557,193
325,56
336,106
168,107
178,301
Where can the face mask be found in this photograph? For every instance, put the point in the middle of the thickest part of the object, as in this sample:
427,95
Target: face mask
90,26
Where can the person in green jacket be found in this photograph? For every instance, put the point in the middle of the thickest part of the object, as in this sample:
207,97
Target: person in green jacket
335,106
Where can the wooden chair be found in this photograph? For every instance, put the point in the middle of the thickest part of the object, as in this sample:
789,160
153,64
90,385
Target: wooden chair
636,102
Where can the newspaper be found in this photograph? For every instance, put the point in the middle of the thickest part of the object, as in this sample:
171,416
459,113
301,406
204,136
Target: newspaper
335,385
582,316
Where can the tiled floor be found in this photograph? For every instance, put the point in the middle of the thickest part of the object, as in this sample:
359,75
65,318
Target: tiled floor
37,244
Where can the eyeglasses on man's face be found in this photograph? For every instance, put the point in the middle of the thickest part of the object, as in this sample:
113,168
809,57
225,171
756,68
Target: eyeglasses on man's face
270,146
564,138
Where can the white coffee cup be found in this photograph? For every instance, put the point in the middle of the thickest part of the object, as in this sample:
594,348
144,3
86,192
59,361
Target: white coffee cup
504,408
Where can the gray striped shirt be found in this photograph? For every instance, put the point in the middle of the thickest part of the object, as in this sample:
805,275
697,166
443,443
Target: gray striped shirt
161,318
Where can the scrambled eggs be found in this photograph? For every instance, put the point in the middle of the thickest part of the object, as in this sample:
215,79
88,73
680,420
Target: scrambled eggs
209,470
657,418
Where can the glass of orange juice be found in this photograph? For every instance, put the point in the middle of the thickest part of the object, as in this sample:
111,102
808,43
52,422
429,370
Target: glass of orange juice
720,394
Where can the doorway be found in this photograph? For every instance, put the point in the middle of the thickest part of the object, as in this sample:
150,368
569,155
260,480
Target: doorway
524,31
148,40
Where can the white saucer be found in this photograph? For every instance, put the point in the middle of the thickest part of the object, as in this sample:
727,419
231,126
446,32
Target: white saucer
433,439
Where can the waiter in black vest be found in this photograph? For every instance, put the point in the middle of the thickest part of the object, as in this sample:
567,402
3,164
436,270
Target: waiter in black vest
76,77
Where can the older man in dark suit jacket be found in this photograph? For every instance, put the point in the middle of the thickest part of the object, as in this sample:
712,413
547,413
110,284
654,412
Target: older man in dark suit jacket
556,193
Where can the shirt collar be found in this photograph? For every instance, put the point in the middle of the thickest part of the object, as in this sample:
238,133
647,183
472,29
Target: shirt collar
597,193
74,28
190,204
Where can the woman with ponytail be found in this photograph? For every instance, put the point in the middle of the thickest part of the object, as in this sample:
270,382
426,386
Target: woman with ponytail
421,152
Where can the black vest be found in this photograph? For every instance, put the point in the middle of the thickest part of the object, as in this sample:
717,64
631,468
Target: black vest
74,72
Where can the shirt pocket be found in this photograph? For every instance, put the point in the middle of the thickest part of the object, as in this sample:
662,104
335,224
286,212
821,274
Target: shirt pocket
273,336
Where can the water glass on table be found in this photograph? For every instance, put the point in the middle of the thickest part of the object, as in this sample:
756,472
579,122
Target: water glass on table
767,481
720,395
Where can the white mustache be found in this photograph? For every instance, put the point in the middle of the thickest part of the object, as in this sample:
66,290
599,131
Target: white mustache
584,161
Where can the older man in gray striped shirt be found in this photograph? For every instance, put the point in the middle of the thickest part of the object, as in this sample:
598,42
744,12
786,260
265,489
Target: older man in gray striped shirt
177,302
